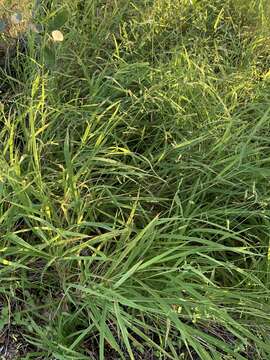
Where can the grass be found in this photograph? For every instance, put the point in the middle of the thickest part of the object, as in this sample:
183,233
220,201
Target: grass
134,184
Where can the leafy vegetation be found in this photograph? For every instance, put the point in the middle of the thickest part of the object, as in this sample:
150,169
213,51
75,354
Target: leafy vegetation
134,183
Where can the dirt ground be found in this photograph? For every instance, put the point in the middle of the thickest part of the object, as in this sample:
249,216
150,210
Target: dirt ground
15,17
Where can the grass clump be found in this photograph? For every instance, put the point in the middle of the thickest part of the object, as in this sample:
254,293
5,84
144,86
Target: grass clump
134,200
